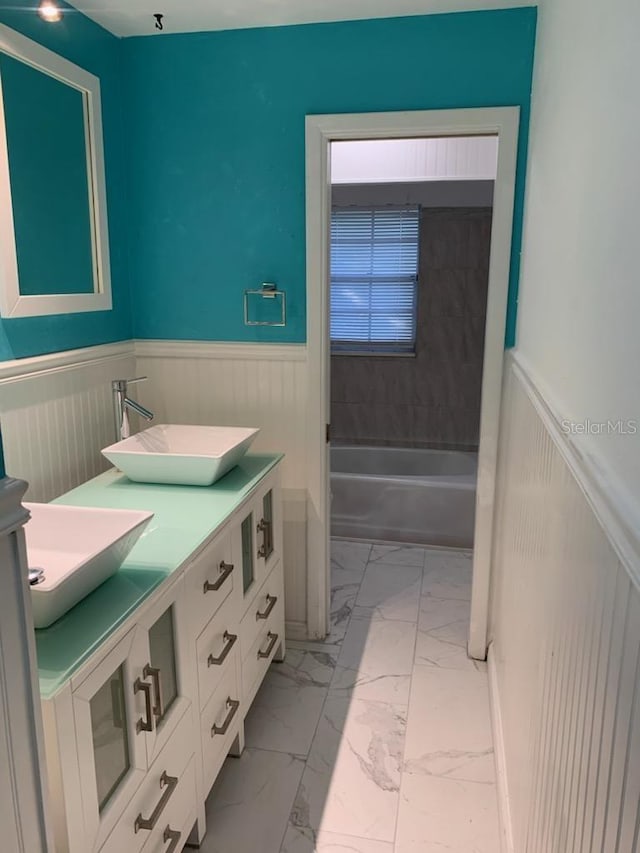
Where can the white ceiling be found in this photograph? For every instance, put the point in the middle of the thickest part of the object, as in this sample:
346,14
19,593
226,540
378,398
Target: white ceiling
135,17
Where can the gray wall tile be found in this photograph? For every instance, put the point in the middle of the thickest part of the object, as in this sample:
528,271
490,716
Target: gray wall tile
432,400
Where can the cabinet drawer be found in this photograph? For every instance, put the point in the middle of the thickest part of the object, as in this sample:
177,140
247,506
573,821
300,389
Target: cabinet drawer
220,723
256,663
154,794
214,647
266,602
209,581
175,824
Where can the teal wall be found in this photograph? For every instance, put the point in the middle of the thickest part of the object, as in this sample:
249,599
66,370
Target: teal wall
216,160
88,45
204,148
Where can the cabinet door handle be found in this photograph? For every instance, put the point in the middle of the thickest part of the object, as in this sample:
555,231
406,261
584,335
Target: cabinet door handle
273,640
173,836
144,725
229,642
168,782
271,603
265,527
233,706
225,571
154,673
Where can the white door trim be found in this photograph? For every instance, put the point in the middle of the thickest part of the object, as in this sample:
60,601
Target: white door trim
321,130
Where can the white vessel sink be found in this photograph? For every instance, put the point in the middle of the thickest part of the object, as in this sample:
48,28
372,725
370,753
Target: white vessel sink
76,549
181,455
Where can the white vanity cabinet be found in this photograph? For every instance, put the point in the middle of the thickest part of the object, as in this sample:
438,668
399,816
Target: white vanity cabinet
262,625
123,713
235,596
258,546
214,602
137,736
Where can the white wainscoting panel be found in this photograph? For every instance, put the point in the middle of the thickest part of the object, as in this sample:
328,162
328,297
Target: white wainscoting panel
259,385
56,413
565,632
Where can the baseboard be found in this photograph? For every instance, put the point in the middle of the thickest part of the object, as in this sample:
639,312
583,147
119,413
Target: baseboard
504,807
296,630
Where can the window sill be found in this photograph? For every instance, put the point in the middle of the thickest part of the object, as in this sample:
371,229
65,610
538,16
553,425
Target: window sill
371,354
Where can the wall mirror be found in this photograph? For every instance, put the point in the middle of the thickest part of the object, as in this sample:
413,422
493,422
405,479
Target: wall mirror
54,247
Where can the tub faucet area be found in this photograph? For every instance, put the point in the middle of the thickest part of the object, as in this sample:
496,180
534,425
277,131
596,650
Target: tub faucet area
121,405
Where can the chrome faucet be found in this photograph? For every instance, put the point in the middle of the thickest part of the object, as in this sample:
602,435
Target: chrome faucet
121,405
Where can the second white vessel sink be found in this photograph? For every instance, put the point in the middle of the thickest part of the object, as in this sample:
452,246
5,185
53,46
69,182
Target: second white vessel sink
71,550
181,455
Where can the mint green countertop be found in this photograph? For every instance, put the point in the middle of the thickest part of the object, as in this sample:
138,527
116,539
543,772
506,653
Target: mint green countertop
184,517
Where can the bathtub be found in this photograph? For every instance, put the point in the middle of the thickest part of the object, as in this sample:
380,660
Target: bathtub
426,497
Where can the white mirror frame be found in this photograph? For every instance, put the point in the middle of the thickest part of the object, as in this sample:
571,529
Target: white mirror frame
12,302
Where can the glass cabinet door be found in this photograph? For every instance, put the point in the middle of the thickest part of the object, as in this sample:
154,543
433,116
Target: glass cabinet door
164,677
162,668
248,567
111,718
110,739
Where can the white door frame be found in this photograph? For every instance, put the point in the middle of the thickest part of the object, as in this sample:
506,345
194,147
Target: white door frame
321,130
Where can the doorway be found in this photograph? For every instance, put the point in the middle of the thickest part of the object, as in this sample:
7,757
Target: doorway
322,131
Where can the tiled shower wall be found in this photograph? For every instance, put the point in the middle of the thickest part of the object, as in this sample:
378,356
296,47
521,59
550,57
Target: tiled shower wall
432,399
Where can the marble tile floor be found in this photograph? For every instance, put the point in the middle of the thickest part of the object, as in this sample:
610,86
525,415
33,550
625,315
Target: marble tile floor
377,740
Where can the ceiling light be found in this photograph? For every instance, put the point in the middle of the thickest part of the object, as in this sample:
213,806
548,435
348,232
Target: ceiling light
49,11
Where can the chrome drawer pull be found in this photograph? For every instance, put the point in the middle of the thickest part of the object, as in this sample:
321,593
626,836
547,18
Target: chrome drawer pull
173,836
266,528
154,673
274,640
144,725
230,640
170,782
271,603
225,571
233,706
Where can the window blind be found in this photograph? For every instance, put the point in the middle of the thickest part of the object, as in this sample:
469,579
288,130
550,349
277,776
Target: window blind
374,265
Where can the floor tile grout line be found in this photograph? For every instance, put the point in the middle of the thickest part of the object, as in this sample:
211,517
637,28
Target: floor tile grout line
431,668
333,694
315,731
297,755
361,618
417,670
442,598
353,698
407,706
306,762
411,690
439,598
406,730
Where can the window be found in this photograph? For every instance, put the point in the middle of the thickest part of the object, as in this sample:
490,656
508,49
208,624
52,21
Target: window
374,265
